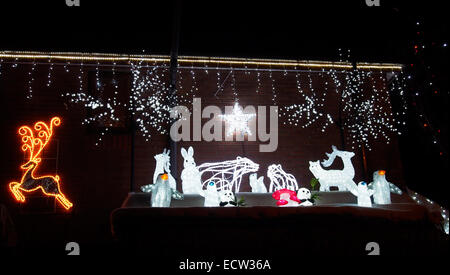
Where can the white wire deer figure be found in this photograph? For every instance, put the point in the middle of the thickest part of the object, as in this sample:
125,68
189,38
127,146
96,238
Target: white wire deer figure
279,179
342,179
227,175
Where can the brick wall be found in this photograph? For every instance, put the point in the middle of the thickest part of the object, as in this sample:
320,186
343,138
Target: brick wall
97,178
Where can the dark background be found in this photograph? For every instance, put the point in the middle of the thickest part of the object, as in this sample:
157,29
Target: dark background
284,29
308,31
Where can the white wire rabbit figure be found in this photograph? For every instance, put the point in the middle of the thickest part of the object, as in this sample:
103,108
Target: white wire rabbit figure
190,176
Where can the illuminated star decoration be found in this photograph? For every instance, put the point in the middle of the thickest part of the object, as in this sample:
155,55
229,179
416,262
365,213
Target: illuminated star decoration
238,121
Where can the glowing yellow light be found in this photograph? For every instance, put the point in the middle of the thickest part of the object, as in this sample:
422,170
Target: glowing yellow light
193,60
34,141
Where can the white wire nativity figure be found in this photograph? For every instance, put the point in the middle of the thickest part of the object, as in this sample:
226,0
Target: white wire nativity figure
342,179
280,179
227,175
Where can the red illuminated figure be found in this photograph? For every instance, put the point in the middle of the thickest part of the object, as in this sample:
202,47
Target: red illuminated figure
34,141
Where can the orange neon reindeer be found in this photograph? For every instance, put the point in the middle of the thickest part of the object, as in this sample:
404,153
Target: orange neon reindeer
34,141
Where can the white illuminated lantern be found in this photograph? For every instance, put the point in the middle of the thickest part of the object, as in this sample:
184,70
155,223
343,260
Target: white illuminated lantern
382,188
190,176
257,184
163,166
342,179
363,193
238,121
280,179
227,174
162,194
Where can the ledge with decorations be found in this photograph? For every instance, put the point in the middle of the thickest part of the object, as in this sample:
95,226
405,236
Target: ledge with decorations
227,194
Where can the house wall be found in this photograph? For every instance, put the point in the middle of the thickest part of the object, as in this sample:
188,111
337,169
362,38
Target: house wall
96,178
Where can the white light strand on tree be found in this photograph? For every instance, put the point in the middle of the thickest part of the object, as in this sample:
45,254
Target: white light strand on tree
368,116
310,110
367,113
149,102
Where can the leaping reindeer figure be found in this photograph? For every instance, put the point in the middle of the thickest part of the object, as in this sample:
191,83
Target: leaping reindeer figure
34,141
343,179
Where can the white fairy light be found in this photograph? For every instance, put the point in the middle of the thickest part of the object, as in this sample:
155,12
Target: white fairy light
258,81
272,83
233,85
148,102
218,78
30,80
66,67
238,121
49,76
310,111
367,113
432,206
14,65
194,87
80,77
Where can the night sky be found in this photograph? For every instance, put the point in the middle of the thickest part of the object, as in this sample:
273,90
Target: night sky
313,30
279,29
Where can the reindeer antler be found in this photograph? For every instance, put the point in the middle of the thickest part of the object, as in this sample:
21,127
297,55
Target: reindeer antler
35,141
331,157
